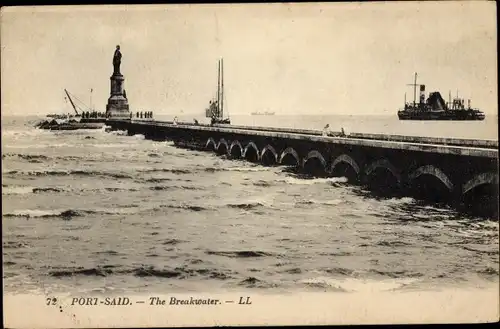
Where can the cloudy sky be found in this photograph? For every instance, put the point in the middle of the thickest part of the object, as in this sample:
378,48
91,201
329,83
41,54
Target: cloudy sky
289,58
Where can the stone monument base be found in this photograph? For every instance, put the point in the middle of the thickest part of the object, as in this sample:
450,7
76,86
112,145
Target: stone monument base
117,106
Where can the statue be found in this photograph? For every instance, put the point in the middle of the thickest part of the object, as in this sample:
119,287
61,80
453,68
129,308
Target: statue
117,59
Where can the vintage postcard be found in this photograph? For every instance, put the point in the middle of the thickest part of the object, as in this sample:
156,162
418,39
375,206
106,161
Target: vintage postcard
249,164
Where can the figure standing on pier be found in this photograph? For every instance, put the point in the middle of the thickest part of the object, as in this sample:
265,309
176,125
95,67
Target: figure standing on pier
117,59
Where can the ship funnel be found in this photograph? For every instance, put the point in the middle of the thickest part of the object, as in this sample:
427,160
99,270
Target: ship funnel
422,93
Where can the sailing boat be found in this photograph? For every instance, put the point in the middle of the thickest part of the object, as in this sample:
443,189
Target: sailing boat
215,110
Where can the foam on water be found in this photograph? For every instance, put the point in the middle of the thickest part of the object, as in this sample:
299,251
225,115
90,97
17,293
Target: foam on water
298,181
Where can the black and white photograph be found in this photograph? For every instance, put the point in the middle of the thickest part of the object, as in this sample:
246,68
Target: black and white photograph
249,164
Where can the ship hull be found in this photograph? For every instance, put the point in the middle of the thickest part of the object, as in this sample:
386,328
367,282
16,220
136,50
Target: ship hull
440,116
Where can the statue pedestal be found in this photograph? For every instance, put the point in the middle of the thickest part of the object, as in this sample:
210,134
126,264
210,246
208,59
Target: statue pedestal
117,106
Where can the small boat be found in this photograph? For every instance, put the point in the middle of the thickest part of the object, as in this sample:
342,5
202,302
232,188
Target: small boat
262,113
435,108
215,110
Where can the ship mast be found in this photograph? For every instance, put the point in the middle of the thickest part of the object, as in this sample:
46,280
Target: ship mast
222,89
414,90
218,89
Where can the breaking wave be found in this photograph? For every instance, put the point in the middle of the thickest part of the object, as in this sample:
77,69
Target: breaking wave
141,271
240,169
299,181
40,173
319,202
16,190
67,214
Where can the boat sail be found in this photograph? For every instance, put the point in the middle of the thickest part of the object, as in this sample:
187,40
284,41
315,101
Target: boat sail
215,110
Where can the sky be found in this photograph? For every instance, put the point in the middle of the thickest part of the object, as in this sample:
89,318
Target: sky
314,58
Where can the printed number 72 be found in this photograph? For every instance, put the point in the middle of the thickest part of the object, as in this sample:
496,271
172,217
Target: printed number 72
51,301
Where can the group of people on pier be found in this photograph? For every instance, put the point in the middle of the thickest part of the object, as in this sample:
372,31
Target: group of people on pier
93,114
145,115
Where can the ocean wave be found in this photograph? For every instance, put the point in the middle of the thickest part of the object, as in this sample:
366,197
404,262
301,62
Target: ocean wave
140,271
40,173
401,200
47,189
28,157
244,169
246,206
14,244
240,169
172,241
16,190
154,155
186,207
65,214
300,181
157,180
119,132
323,283
253,282
122,210
70,213
81,271
333,202
262,183
117,189
161,188
169,170
170,187
385,243
239,254
398,274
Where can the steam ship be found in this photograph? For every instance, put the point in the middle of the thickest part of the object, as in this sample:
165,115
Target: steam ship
262,113
435,108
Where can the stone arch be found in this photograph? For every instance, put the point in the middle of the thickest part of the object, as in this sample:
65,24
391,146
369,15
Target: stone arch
234,144
269,149
211,141
481,179
344,158
289,151
225,144
253,146
385,164
315,155
433,171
